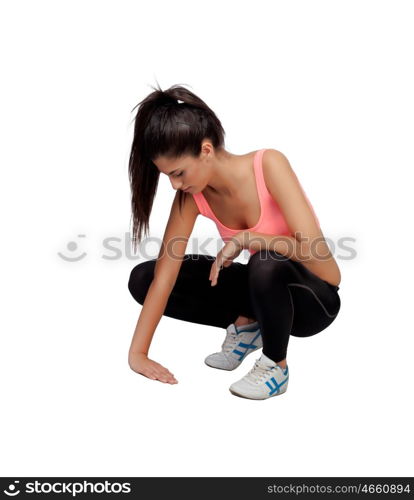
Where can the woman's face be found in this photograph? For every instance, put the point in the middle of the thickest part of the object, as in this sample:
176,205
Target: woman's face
187,173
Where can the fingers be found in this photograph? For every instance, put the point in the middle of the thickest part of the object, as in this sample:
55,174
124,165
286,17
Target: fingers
214,272
216,267
158,372
164,375
214,280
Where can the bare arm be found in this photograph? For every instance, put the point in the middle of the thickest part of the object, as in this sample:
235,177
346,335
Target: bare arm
150,315
177,232
322,264
312,248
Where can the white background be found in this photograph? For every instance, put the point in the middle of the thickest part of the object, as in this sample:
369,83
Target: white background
328,83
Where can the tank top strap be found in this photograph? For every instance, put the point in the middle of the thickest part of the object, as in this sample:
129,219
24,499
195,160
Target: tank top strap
203,206
258,170
258,166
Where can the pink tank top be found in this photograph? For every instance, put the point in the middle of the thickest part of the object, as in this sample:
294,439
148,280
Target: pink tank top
271,220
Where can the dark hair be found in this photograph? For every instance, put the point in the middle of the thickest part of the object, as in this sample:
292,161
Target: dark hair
165,127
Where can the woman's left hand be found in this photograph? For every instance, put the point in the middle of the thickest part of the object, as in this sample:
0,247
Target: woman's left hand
225,257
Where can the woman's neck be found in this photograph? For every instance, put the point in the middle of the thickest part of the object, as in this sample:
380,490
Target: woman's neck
224,175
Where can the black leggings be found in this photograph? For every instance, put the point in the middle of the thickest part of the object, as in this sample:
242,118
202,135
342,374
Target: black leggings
281,294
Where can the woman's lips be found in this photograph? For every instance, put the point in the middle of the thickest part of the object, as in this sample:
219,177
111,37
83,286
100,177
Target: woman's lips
185,190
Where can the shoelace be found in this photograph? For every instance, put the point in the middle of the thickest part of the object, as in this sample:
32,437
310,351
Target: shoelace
229,342
259,372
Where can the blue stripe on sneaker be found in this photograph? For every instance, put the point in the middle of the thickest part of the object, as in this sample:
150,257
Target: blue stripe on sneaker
276,387
257,336
246,346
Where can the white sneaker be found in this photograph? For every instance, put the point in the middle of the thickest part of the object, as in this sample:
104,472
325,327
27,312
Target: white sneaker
264,380
239,342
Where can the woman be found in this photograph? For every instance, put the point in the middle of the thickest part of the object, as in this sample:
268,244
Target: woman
289,285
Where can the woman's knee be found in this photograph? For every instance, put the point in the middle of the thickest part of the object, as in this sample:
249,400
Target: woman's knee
140,280
266,268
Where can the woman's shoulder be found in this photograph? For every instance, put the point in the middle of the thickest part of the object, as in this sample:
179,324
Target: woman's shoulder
272,154
269,155
272,157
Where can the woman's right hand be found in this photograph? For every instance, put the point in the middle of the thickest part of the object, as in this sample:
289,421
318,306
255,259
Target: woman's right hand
140,363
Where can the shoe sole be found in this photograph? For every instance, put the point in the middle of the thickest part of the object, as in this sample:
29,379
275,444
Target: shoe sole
220,368
257,399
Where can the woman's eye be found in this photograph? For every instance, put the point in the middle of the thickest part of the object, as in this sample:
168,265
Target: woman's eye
179,175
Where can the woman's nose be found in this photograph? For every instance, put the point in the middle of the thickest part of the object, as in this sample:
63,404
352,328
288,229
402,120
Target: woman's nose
176,184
